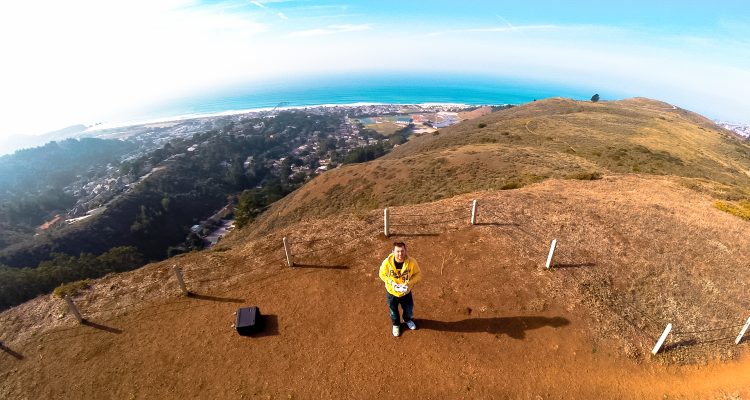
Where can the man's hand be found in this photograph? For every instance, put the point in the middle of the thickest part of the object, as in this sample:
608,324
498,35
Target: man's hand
400,288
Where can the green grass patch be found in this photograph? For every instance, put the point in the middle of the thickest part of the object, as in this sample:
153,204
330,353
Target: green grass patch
740,208
71,289
385,128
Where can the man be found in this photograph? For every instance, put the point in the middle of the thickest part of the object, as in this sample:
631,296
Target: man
400,272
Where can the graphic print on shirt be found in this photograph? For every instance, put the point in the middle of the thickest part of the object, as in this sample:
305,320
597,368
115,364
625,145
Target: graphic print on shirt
399,277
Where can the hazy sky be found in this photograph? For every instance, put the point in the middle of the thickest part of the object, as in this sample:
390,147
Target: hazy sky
74,61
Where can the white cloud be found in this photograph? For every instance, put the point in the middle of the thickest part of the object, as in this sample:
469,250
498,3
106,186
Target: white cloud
259,4
331,30
84,61
282,16
543,28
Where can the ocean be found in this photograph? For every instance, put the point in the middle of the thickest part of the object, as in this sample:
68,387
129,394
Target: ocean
368,88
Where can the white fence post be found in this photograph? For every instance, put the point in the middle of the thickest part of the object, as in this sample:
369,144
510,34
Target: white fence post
288,254
178,274
742,332
551,253
72,307
662,339
385,222
474,212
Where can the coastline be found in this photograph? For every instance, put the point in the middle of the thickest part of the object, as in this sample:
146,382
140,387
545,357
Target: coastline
186,117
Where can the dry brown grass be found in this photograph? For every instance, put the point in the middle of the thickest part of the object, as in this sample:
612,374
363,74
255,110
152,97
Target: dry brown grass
555,138
634,253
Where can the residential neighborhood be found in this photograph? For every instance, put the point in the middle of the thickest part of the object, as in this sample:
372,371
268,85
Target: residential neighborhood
315,140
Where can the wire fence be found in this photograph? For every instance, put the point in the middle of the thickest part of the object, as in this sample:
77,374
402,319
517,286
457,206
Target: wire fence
337,248
641,323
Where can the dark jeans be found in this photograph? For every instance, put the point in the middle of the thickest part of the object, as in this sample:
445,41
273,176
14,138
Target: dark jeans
407,304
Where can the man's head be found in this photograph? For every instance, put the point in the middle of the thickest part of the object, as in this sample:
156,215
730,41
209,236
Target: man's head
399,251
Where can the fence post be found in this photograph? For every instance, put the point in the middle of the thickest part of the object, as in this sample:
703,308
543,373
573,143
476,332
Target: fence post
551,253
72,307
662,339
288,254
742,332
474,212
385,222
178,274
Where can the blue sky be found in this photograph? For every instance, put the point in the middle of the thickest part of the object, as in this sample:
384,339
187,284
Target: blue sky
85,61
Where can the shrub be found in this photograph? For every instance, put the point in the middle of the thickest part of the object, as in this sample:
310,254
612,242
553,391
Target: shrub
586,176
71,289
511,185
481,125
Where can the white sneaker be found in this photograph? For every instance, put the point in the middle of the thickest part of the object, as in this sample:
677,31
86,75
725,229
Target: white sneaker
411,325
396,330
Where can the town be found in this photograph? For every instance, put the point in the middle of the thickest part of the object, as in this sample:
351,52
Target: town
293,146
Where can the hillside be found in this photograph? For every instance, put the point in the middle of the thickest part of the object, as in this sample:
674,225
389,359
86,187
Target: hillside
634,252
487,309
36,184
554,138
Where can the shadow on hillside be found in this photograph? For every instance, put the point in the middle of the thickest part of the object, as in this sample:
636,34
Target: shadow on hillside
578,265
514,327
295,265
676,345
693,342
496,224
215,298
101,327
395,234
17,356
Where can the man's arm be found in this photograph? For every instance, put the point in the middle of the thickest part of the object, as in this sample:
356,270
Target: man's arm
416,273
384,271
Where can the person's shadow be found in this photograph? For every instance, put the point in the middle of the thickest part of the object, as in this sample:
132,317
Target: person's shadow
514,327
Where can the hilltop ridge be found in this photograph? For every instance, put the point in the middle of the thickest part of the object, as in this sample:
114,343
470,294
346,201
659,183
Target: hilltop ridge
553,138
635,251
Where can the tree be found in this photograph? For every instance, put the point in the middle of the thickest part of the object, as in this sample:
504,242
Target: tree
595,98
250,205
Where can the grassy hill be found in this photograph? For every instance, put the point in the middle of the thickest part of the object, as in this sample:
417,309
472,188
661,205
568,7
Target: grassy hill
554,138
635,252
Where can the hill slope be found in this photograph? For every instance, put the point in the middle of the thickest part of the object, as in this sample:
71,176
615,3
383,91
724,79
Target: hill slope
554,138
634,253
641,252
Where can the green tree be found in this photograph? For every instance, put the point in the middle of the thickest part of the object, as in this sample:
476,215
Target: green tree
250,205
595,98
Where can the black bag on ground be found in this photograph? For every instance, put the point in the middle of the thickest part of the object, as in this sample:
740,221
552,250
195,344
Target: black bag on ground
249,321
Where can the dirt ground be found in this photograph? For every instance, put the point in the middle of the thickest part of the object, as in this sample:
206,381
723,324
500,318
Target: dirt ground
492,321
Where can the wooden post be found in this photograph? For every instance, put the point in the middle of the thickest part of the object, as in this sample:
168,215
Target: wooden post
551,253
662,339
742,332
288,254
385,222
474,212
178,274
72,307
